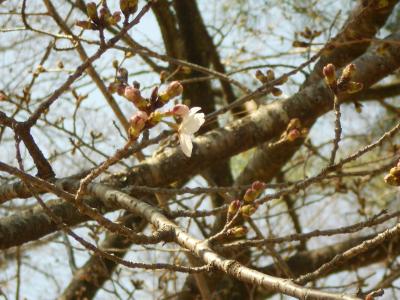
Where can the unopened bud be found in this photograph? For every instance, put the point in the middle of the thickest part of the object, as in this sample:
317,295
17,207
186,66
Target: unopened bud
329,72
91,10
163,76
122,75
261,77
114,19
123,5
137,122
104,16
238,231
133,94
348,72
86,25
258,185
174,89
180,110
250,195
270,75
276,92
233,208
248,210
128,7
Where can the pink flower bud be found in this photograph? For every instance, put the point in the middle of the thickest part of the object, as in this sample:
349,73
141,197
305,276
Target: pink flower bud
139,119
174,89
348,72
233,207
137,122
180,110
258,185
132,94
329,72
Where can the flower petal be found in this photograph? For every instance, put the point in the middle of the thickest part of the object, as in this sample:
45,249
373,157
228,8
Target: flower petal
194,110
192,123
186,144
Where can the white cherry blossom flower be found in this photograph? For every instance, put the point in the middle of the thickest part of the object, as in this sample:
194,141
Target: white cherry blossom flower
191,123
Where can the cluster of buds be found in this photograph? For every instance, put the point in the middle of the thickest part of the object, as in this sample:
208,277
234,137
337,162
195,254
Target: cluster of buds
393,178
247,207
99,19
187,121
294,130
344,84
132,92
268,77
147,115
